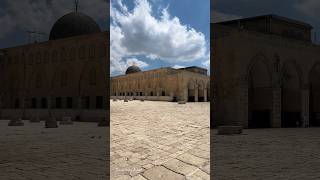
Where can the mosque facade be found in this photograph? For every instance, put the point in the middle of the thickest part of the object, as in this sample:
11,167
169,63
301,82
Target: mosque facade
190,84
266,73
64,76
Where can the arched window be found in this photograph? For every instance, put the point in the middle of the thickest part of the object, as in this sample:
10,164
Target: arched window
92,77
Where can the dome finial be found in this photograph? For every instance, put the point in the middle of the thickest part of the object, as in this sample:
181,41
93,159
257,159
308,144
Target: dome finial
76,3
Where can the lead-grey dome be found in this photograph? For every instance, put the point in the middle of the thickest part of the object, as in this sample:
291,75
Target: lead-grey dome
133,69
73,24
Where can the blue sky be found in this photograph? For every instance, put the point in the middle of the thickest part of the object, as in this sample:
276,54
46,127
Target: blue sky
18,17
303,10
181,39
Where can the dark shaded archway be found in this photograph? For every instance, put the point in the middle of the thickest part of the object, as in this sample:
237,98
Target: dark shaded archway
314,80
259,95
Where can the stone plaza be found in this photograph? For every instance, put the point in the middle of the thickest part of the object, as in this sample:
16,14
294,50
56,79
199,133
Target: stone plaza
281,153
69,152
160,140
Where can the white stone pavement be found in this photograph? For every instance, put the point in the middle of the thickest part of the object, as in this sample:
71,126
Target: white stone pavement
160,140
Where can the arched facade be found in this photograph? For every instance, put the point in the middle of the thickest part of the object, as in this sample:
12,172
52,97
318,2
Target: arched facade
164,84
53,76
262,79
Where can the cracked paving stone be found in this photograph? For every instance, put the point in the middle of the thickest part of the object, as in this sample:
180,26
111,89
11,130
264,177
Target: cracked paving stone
180,167
161,173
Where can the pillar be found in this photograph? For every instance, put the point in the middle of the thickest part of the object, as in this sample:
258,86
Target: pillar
185,95
305,95
276,108
205,95
196,94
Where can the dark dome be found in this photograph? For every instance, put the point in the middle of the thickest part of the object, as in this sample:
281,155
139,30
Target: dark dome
73,24
133,69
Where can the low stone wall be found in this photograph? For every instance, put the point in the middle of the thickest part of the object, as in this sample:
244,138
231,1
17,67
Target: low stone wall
147,98
85,115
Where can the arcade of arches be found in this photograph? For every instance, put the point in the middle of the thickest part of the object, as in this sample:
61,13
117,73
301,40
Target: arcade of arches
164,84
264,80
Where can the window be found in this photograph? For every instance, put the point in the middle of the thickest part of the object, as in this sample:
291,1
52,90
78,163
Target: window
141,94
44,103
151,93
58,103
87,102
17,103
34,103
99,102
69,102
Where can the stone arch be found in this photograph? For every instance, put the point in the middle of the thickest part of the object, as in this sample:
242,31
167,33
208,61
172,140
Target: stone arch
191,90
259,80
201,91
291,82
314,96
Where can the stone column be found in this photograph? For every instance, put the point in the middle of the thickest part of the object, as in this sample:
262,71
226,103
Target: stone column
244,102
205,95
276,107
184,96
196,94
305,95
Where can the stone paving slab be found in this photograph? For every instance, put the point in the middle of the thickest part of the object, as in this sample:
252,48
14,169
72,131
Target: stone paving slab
149,136
70,152
160,173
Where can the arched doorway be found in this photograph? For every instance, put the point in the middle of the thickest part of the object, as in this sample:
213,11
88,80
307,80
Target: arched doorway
314,80
191,91
201,91
291,96
259,96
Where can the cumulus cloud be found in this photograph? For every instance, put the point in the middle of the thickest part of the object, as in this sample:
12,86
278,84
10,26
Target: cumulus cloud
134,61
139,32
217,16
206,63
40,15
177,66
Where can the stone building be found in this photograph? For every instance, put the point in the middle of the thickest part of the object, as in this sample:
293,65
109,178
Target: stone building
266,73
163,84
64,76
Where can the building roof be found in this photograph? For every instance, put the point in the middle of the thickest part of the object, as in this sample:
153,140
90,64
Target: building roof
73,24
273,16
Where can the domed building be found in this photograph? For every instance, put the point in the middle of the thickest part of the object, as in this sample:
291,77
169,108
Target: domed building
190,84
64,76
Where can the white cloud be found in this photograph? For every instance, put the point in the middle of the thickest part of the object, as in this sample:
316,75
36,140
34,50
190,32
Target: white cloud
206,63
134,61
217,16
138,32
40,15
177,66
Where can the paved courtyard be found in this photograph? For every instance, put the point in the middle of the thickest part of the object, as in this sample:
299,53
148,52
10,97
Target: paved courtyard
267,154
69,152
160,140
